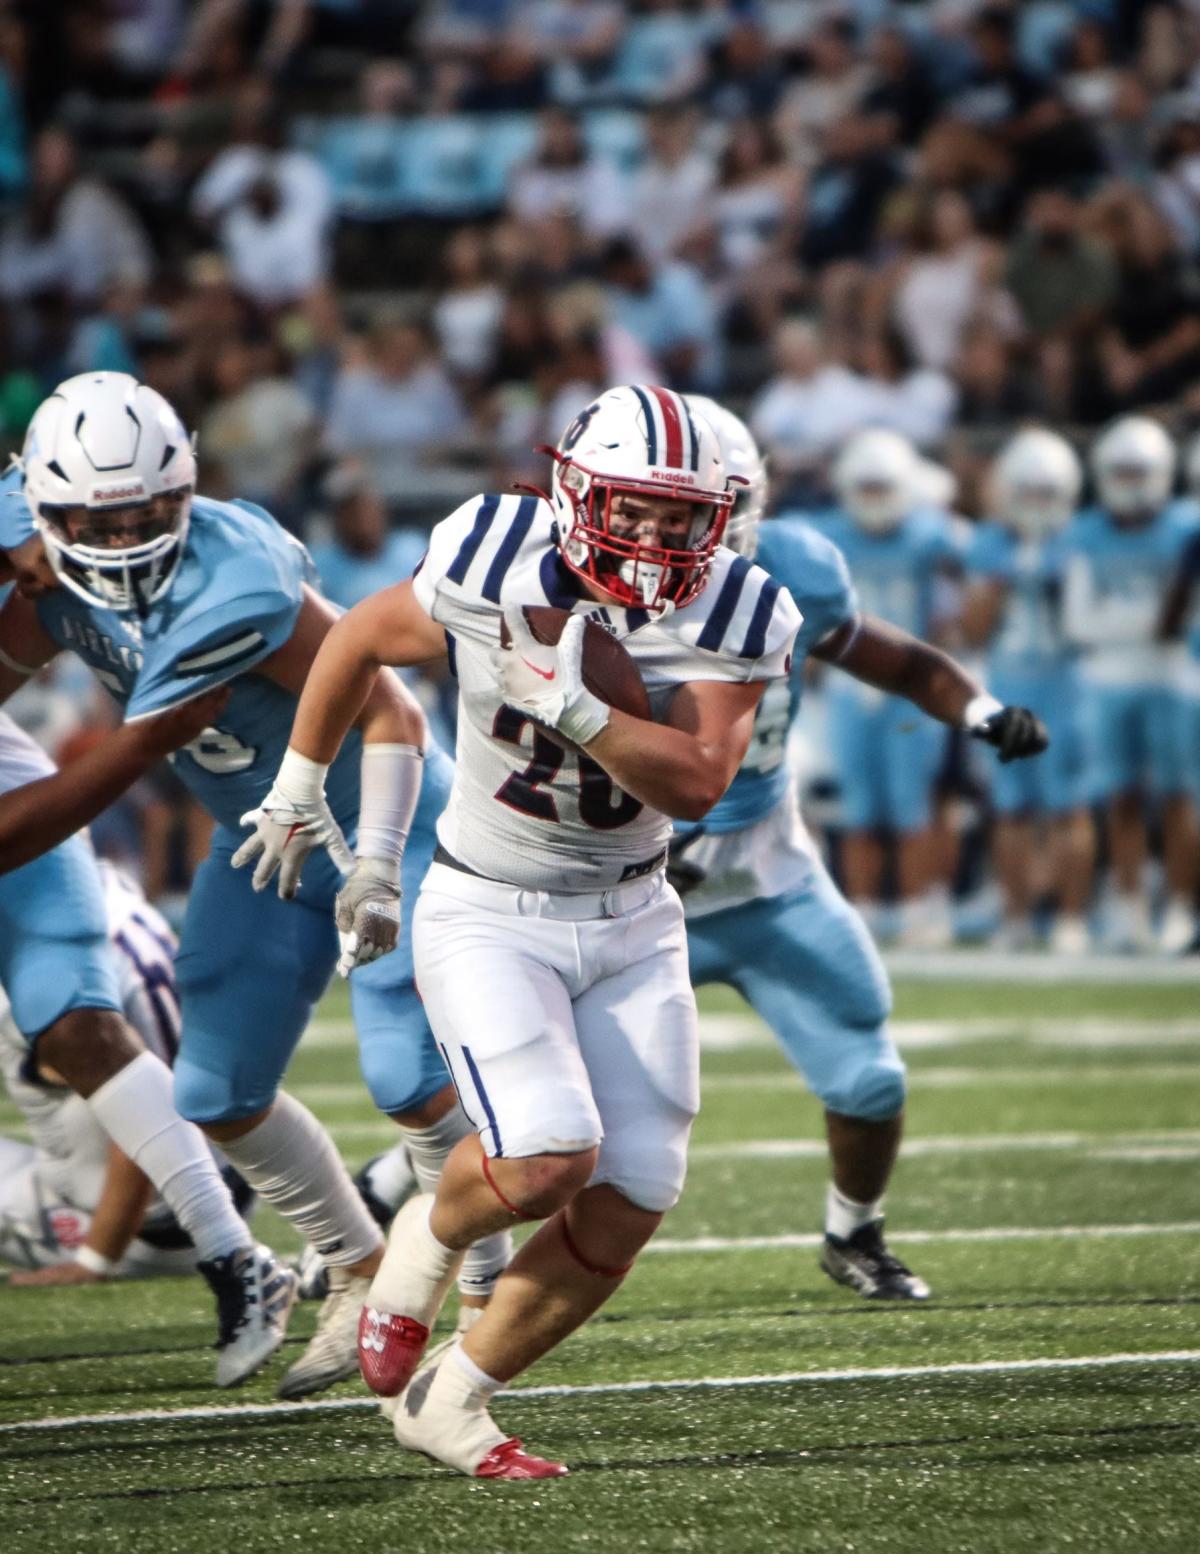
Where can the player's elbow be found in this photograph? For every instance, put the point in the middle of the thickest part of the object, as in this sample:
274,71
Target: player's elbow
703,790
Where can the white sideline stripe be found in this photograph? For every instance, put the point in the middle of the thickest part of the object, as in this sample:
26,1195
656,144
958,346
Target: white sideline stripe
1187,1227
947,1144
730,1032
603,1388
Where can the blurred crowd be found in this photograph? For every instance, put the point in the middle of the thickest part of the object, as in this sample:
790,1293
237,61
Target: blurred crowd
376,251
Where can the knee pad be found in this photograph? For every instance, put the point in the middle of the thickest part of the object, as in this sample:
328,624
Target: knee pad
870,1086
203,1096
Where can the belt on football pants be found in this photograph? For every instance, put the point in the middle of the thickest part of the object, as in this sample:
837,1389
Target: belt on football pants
518,901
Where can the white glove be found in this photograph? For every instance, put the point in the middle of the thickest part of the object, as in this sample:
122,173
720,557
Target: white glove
367,913
546,681
290,823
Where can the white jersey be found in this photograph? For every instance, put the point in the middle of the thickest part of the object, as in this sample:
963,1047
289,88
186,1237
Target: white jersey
72,1147
522,809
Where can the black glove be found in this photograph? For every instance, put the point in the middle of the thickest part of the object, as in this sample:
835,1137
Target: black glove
1015,732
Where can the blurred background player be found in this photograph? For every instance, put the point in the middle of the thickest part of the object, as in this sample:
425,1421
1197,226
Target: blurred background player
1042,836
164,597
59,977
885,752
1121,557
72,1205
763,914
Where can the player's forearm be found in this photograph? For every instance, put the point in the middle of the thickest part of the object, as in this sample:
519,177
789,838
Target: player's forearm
39,816
119,1214
891,660
344,687
674,772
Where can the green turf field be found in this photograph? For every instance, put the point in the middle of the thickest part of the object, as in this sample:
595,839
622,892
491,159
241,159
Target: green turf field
1047,1400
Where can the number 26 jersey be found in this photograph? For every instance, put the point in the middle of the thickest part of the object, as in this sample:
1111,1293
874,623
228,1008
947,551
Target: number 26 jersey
522,809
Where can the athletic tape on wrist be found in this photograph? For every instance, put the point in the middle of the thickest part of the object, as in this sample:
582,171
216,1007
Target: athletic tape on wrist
95,1262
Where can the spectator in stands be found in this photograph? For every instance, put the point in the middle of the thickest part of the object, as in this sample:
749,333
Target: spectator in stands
363,152
747,76
807,409
259,435
950,279
669,196
270,208
901,88
992,394
1061,278
1176,187
668,309
661,58
1151,349
364,554
827,94
510,79
1091,81
394,406
13,168
563,175
757,198
576,39
71,232
466,315
846,193
911,398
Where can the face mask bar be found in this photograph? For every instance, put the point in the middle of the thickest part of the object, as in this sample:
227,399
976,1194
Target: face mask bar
651,577
124,577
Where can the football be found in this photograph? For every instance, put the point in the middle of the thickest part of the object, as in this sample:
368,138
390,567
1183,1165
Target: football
608,667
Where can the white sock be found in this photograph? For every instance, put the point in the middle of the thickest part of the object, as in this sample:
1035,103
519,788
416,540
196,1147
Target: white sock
428,1147
484,1263
136,1108
417,1271
472,1384
843,1216
291,1160
391,1176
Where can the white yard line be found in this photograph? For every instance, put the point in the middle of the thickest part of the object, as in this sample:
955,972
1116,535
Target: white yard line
949,1144
669,1247
612,1388
935,1078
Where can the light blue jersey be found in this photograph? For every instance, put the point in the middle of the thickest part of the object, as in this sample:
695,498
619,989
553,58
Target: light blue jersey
764,916
885,751
1031,664
251,967
1116,577
814,572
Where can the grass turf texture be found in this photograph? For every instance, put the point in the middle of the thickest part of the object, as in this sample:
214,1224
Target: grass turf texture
1025,1128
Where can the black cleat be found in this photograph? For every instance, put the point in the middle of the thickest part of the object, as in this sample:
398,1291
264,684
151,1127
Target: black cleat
865,1264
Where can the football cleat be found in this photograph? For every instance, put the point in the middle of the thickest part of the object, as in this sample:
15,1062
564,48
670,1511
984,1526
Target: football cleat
511,1460
254,1295
390,1349
332,1352
431,1419
864,1263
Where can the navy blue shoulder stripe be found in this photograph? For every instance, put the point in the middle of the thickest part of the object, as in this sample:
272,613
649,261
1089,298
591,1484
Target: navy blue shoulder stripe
508,548
651,434
717,624
484,514
756,633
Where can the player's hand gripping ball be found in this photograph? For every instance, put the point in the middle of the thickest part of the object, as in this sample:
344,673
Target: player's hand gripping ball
566,671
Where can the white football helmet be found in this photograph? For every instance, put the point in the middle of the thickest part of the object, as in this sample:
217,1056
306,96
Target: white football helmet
877,479
743,461
636,443
1035,482
1134,466
109,475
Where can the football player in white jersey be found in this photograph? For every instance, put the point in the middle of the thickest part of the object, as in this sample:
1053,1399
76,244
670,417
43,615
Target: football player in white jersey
550,950
73,1208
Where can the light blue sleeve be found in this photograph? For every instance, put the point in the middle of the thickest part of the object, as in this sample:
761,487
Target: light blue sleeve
16,519
245,609
814,572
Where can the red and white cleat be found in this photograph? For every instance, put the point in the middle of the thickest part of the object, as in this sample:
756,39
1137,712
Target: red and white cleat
511,1460
389,1350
